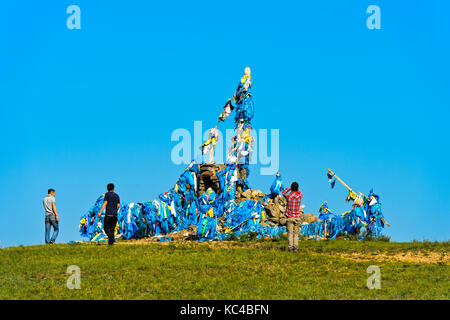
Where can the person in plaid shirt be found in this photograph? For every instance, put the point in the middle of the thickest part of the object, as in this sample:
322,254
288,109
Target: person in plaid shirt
294,214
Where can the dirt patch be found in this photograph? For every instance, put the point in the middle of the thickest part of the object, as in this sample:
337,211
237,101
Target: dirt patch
416,257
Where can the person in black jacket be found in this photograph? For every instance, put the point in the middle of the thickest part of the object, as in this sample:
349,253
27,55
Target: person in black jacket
112,205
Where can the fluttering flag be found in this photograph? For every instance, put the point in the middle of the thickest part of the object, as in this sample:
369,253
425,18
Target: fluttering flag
330,180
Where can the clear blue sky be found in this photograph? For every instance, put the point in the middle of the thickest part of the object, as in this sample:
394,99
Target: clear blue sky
81,108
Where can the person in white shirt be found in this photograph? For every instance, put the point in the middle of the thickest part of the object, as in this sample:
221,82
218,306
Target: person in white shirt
51,217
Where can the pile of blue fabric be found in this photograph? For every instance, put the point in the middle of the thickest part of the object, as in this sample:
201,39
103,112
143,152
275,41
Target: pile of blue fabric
215,216
90,225
132,222
218,216
329,225
364,220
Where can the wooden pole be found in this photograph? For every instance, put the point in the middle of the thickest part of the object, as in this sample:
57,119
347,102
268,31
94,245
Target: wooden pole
350,189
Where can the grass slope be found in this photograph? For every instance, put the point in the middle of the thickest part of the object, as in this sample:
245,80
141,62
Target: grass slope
227,270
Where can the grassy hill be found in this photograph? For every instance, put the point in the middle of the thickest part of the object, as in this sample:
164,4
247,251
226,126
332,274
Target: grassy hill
227,270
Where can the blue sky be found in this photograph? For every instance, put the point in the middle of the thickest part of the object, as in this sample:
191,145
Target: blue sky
82,108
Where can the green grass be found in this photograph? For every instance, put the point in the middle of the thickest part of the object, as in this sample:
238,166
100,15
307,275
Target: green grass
241,270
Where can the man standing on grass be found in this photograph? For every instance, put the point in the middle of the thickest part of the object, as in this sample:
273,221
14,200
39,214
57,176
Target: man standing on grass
112,205
293,214
51,217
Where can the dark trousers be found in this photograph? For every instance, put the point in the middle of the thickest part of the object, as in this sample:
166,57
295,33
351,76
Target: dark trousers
109,225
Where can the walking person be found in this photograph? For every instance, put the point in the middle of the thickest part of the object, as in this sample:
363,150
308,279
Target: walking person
51,217
293,215
112,205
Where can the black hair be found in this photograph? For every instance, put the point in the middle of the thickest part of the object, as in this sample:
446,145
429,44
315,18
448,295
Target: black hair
294,186
110,187
50,191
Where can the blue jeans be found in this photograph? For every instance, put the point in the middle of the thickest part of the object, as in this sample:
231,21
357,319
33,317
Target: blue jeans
50,221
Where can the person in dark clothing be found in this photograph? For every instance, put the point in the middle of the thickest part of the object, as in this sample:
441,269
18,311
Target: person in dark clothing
112,205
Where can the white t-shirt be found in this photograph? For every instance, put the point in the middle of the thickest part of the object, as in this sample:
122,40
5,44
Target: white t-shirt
48,205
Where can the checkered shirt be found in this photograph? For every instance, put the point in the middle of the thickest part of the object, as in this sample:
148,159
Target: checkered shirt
294,200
